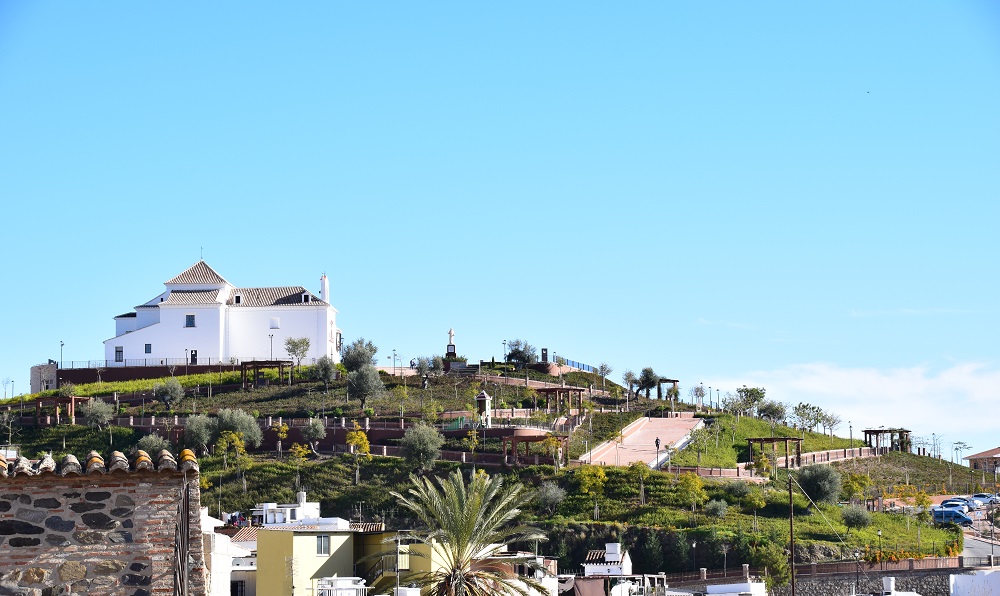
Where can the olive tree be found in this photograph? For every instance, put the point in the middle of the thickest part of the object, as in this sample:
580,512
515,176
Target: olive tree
358,354
313,432
153,444
169,392
297,348
856,518
364,384
521,353
198,432
96,412
549,496
240,422
821,483
324,370
421,445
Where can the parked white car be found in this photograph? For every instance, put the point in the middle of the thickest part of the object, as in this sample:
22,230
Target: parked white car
973,503
987,498
955,504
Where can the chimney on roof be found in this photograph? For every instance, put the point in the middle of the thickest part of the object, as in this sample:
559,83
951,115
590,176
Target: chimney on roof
301,497
324,289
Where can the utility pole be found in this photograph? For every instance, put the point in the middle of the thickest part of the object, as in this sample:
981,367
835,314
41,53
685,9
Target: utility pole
791,531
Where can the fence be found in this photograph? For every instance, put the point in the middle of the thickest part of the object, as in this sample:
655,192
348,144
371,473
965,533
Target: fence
805,570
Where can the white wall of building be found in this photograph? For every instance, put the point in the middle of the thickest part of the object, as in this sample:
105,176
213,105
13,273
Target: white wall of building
222,331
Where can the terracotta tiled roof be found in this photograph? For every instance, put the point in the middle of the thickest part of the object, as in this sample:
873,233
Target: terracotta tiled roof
247,534
95,463
985,454
199,273
188,297
595,556
280,296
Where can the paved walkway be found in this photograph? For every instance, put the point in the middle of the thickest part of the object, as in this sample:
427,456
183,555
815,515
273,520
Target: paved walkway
639,442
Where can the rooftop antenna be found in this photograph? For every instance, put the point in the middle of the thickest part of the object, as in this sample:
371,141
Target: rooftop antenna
202,253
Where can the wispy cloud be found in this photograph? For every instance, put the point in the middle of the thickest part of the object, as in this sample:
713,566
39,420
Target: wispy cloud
957,402
726,324
908,312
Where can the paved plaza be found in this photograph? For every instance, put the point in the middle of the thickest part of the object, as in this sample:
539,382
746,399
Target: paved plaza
639,442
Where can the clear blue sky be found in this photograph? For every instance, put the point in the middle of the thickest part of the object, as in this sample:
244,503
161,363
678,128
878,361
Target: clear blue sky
791,195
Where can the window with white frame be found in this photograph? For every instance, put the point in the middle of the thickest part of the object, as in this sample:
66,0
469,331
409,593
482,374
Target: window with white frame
189,320
275,322
323,545
119,354
149,348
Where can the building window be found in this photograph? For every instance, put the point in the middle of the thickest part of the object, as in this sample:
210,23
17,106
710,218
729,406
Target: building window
237,588
275,323
189,320
291,514
149,348
119,354
237,299
305,298
322,545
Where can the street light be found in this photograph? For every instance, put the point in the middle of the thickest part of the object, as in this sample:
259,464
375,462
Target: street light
270,336
61,344
880,560
394,362
505,352
694,556
857,571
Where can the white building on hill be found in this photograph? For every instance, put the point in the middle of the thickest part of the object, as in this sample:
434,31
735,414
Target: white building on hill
200,318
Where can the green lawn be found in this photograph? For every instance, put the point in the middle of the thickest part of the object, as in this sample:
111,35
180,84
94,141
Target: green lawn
725,442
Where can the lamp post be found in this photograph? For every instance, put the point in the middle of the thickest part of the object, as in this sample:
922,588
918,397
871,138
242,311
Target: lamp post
857,571
394,362
718,400
657,453
702,397
850,429
270,336
694,556
505,352
880,561
61,344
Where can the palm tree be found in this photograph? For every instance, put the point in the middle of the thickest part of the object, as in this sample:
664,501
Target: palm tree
467,528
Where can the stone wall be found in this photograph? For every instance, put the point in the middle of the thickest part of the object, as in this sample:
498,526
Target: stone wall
930,582
97,530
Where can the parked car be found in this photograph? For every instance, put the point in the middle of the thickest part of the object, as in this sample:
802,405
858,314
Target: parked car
955,504
948,515
972,502
987,498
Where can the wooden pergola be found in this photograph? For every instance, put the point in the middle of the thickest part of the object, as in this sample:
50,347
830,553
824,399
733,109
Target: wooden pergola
514,440
773,442
558,393
257,365
70,403
883,440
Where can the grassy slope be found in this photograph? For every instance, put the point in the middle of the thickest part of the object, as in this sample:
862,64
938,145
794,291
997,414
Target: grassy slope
329,480
934,476
728,444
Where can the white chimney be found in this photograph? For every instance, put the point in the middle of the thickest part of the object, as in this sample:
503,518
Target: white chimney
302,497
888,585
324,289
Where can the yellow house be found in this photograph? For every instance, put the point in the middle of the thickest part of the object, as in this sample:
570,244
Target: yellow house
294,559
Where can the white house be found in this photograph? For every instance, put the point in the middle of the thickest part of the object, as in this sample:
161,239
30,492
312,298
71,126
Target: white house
613,560
200,318
271,514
